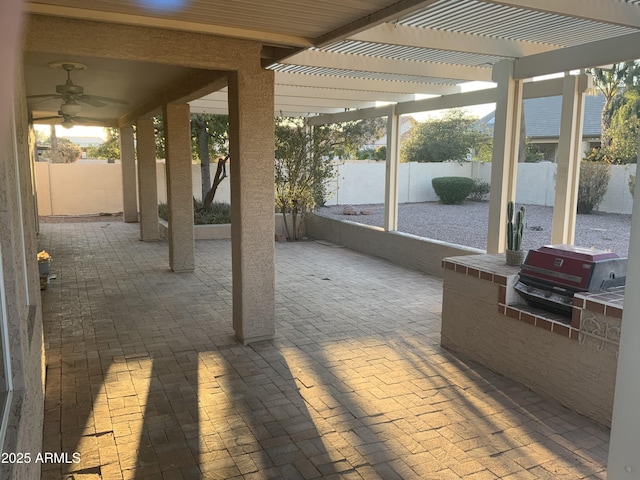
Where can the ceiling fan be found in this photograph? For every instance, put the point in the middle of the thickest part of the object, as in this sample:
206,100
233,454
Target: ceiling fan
71,93
69,121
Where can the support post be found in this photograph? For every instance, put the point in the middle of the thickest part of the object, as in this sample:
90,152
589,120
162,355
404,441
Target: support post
177,133
128,164
505,153
569,155
147,181
624,443
251,141
391,176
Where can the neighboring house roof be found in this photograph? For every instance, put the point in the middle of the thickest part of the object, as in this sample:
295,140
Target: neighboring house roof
86,141
406,124
542,117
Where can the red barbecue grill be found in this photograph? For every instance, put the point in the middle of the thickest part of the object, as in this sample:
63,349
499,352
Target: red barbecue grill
551,275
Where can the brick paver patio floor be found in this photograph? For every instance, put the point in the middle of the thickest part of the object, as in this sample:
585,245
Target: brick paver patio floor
146,381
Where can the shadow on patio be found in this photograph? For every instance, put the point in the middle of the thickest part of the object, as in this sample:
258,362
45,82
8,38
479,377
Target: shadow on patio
145,380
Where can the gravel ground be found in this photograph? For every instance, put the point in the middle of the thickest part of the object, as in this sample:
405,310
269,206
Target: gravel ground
466,224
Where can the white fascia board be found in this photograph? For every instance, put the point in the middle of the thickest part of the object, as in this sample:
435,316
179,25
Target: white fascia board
361,63
342,83
363,95
603,52
221,107
458,100
616,13
309,102
351,116
450,41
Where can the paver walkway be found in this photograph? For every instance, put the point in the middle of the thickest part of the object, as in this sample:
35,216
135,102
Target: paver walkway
145,380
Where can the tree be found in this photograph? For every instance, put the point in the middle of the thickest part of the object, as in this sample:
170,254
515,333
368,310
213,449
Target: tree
612,82
109,149
66,151
624,129
304,162
210,137
448,138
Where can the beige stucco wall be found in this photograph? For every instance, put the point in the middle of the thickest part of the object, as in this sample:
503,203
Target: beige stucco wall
401,248
86,188
579,376
78,189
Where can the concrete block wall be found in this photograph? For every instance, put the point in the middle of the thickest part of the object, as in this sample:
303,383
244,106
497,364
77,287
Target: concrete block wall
81,189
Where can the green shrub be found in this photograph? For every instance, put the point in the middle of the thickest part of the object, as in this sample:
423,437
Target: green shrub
480,190
594,181
217,213
452,189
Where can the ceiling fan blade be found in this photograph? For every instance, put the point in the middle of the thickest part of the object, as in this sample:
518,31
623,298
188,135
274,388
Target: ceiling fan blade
106,99
90,101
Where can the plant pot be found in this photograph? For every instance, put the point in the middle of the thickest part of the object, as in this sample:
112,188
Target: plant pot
515,257
43,267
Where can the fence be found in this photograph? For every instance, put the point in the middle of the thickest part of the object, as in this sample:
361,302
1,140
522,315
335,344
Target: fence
82,189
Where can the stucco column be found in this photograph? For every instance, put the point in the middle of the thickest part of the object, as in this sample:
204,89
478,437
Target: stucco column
624,444
147,181
504,161
251,141
177,133
391,176
128,165
569,155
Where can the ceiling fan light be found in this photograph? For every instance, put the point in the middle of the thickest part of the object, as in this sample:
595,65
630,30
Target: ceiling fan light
70,108
67,124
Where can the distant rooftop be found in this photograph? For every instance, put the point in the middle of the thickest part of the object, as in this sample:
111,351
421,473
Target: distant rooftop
86,141
542,116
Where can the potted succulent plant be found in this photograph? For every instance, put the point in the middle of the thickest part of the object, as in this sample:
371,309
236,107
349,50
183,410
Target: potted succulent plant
515,232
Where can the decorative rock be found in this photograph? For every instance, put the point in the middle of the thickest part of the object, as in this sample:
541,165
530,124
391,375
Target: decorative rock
349,210
366,212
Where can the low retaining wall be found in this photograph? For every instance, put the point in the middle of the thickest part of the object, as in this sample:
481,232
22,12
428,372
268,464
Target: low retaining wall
219,232
401,248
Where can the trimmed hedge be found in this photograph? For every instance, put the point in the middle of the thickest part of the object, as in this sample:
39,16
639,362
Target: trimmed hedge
452,189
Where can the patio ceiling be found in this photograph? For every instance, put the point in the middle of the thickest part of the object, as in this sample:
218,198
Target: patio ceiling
335,55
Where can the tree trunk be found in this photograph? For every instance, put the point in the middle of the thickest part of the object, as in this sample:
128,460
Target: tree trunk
203,153
54,145
522,146
221,174
605,123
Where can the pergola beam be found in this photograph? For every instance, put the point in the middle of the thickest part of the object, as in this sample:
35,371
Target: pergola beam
392,66
391,12
364,84
603,52
624,14
437,39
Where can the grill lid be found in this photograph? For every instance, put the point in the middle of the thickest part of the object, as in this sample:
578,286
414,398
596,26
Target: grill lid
551,275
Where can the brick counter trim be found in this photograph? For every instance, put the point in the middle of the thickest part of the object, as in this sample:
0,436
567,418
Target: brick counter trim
523,313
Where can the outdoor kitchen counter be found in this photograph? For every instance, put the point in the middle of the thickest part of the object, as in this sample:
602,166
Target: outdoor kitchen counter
572,360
